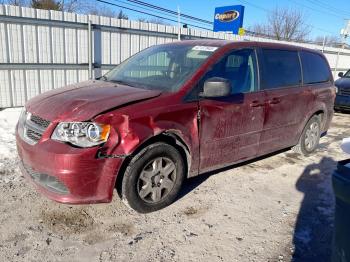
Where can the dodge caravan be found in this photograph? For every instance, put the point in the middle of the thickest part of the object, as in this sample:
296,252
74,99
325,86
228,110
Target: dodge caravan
171,112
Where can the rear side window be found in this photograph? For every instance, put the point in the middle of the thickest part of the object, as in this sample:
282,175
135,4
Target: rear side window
279,68
315,68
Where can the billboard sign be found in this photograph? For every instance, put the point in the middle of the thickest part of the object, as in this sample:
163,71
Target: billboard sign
228,18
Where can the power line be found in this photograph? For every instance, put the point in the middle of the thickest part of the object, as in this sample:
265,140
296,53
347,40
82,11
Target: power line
146,13
328,7
169,11
295,2
269,11
159,12
256,6
319,11
145,8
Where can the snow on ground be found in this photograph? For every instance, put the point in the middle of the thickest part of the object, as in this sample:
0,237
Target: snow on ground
8,153
275,208
8,121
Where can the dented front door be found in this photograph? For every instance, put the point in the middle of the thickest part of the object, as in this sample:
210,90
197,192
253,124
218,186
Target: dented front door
230,129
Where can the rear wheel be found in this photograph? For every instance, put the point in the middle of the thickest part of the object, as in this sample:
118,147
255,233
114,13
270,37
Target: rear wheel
153,178
310,137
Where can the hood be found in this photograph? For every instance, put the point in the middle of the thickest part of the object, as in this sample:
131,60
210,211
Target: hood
343,82
83,101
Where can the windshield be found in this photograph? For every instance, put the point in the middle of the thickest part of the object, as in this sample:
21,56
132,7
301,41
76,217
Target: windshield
164,67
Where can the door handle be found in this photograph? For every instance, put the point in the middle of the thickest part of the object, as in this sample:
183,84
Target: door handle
256,103
274,101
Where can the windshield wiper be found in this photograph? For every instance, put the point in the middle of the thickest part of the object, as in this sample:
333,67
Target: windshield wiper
120,82
103,78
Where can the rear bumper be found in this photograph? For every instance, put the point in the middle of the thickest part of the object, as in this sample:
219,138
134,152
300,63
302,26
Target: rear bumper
67,174
342,102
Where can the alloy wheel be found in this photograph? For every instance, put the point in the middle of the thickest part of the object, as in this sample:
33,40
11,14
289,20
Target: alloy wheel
156,180
311,136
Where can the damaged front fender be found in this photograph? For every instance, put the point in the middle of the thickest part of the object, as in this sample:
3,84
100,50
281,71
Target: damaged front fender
129,134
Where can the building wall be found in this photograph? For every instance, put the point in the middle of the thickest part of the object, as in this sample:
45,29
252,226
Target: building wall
41,50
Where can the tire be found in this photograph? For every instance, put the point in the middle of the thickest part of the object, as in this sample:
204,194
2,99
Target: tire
153,178
310,137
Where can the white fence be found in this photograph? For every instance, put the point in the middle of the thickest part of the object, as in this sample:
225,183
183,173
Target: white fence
41,50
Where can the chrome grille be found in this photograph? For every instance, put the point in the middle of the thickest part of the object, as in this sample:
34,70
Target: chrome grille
39,121
33,127
35,136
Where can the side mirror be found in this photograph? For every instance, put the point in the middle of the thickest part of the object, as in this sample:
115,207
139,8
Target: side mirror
216,87
341,74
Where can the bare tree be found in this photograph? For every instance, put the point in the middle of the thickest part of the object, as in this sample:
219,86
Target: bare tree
153,20
86,7
46,4
259,29
284,24
15,2
329,40
72,5
122,15
79,6
101,11
108,12
76,6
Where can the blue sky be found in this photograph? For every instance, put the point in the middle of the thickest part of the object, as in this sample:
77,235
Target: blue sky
325,17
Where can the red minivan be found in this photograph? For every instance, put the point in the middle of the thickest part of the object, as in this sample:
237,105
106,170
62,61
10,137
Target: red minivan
171,112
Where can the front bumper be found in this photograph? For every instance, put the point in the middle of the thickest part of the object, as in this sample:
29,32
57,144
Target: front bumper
67,174
342,102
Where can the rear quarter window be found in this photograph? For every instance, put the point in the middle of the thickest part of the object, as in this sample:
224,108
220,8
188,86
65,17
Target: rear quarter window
279,68
315,68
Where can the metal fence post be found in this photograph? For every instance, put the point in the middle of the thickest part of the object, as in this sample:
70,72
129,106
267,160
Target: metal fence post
336,64
338,56
97,51
89,48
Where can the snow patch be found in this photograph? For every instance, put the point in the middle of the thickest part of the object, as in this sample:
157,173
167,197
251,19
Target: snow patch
8,121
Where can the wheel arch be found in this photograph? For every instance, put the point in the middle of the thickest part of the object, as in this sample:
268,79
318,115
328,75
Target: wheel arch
170,137
320,113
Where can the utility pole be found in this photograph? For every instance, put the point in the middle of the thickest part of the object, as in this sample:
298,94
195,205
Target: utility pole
178,24
324,43
345,32
90,47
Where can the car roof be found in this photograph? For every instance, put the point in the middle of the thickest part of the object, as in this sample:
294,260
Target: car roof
238,44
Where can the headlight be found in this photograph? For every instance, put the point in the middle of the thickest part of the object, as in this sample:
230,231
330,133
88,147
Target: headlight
21,122
22,117
82,134
336,90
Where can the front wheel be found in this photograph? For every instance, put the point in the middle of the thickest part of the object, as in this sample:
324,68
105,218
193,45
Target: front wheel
153,178
310,137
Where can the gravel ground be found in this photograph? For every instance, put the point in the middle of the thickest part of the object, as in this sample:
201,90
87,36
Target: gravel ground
277,208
